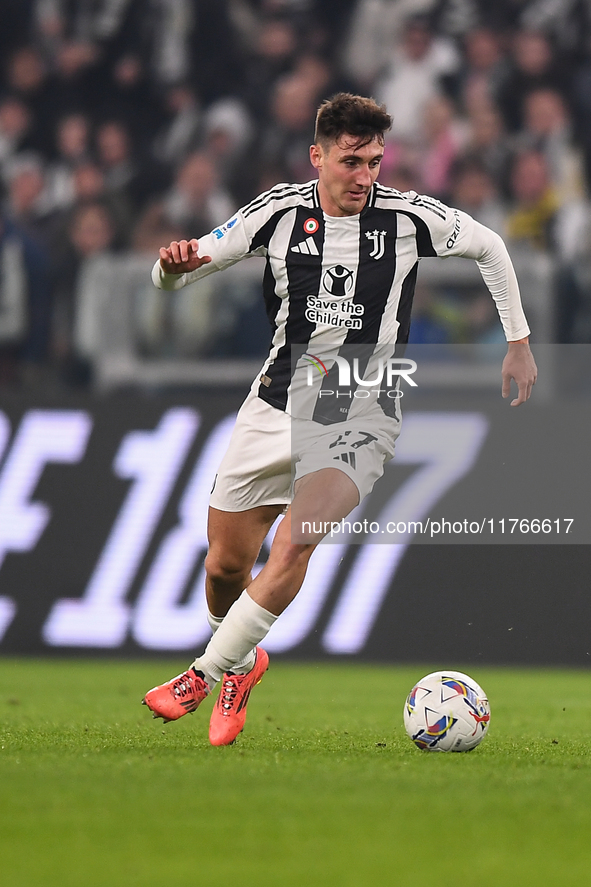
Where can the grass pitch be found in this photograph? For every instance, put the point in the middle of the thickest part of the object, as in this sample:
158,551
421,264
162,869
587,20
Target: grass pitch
323,788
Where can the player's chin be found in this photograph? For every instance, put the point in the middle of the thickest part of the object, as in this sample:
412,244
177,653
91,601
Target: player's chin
355,200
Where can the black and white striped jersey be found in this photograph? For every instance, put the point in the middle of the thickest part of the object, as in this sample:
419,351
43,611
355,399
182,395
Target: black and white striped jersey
349,280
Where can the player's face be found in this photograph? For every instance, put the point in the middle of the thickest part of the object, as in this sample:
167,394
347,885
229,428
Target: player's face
346,172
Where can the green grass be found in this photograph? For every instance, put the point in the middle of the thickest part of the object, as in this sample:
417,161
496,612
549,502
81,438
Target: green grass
323,788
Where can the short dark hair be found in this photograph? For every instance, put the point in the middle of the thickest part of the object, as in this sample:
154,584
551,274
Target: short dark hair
355,115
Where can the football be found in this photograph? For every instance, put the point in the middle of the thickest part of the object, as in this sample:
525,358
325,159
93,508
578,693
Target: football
446,711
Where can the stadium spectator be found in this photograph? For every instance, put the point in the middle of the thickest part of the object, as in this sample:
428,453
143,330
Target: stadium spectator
26,205
455,309
127,96
558,231
24,303
227,135
399,168
27,77
376,26
547,128
488,141
15,126
474,190
115,155
566,23
414,77
88,186
180,130
72,148
317,71
284,143
196,202
483,72
533,67
128,174
444,135
271,58
88,182
91,234
535,202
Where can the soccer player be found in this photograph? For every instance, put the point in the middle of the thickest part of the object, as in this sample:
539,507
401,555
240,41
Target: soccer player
342,255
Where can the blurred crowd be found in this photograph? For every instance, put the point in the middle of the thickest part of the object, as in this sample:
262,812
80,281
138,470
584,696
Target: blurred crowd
125,124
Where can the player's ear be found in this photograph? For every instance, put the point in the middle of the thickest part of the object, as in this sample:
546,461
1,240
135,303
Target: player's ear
316,155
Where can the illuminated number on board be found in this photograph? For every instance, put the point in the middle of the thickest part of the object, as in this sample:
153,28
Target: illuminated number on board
447,445
43,436
152,460
160,621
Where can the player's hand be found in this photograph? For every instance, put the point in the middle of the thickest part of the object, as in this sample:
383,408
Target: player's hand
519,364
181,257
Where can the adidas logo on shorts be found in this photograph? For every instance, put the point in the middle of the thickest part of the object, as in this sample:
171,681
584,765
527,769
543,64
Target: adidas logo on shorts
349,458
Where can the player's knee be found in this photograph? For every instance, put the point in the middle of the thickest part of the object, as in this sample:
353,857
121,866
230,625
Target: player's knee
226,567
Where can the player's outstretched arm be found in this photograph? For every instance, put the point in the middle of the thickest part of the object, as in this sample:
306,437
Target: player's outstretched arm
519,364
181,257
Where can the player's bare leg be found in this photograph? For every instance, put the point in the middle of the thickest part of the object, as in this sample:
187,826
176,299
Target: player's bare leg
235,540
328,494
323,496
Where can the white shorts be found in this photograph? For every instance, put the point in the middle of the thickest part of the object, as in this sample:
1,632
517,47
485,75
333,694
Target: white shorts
267,454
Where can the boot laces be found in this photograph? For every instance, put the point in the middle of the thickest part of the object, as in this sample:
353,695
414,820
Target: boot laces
229,694
183,686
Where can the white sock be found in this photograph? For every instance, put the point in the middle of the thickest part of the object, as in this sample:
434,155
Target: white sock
247,663
214,621
244,626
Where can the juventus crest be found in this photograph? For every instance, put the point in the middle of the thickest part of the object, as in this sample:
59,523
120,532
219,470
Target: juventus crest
379,243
